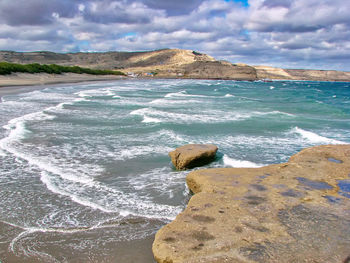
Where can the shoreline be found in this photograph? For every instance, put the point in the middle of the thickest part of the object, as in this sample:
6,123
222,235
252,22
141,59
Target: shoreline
23,82
25,79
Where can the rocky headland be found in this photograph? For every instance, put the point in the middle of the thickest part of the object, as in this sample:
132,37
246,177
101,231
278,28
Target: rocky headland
297,211
264,72
170,63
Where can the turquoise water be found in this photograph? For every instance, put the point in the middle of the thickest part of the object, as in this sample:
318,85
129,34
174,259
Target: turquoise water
88,160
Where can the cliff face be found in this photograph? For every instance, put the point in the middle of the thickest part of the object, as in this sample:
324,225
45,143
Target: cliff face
264,72
171,63
292,212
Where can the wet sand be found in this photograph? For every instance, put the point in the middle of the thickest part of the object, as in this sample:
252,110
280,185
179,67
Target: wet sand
79,247
24,79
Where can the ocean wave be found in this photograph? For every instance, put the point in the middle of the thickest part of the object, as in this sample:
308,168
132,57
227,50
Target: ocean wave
275,112
149,120
239,163
184,93
167,102
55,188
106,92
172,136
163,181
17,126
109,200
137,151
229,95
18,132
214,116
314,137
176,94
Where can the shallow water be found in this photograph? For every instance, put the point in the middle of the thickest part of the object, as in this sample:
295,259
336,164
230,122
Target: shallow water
84,168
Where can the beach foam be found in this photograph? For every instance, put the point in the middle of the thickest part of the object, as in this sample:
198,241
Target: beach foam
239,163
137,151
213,116
184,94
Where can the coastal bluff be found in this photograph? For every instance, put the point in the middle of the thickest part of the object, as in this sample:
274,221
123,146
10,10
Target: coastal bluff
297,211
170,63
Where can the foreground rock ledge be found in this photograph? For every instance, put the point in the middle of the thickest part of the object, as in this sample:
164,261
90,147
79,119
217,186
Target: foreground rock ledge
192,155
293,212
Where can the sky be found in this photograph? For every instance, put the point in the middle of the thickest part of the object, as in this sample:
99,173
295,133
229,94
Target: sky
282,33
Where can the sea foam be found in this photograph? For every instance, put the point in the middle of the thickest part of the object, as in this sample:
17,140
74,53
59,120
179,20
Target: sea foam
239,163
314,137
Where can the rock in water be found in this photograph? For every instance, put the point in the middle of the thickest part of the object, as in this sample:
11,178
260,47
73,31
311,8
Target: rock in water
193,155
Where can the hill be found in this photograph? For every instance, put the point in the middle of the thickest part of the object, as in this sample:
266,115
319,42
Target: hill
170,63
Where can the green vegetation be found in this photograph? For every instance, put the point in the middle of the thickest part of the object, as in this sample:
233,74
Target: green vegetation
8,68
196,53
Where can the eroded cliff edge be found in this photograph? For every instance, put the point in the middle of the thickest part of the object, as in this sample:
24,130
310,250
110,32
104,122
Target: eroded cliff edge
292,212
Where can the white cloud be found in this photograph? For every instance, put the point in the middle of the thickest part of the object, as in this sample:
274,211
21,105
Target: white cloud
291,33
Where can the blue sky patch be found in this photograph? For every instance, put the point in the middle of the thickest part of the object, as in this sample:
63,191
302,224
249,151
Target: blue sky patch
243,2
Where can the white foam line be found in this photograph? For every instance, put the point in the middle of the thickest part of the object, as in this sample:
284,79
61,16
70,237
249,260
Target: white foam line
30,230
18,132
239,163
158,211
44,165
149,119
172,135
210,117
314,137
95,92
45,179
167,101
276,112
17,238
17,127
184,94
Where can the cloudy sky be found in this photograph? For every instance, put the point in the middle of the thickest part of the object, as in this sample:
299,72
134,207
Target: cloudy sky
285,33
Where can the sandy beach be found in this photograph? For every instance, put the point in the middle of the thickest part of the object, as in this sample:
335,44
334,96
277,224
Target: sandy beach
22,82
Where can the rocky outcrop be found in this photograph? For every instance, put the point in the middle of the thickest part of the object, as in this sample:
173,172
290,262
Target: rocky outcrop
192,155
291,212
265,72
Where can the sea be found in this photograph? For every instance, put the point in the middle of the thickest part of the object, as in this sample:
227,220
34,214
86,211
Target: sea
85,174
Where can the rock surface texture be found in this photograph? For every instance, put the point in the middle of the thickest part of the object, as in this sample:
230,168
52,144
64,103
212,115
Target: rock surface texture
292,212
192,155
